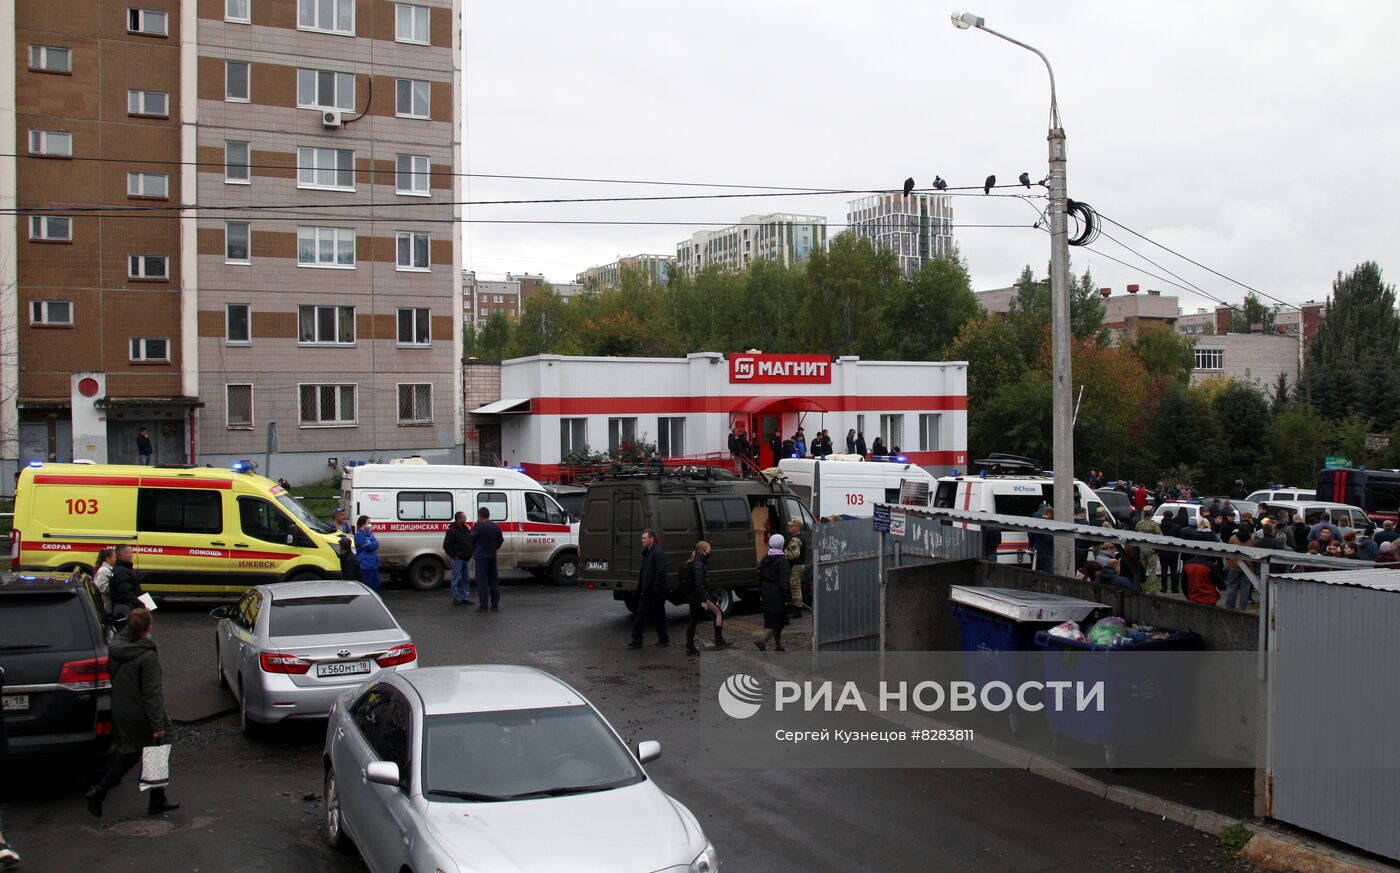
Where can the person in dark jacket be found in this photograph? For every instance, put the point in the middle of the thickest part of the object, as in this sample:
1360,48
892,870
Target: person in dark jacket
1043,544
367,550
696,584
457,543
878,448
851,441
1112,575
487,540
8,856
773,575
860,443
144,449
138,709
651,588
125,587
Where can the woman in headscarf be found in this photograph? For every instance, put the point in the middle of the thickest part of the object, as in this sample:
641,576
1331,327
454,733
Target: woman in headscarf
773,574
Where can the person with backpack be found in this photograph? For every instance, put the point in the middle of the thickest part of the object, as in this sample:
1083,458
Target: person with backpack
695,587
796,552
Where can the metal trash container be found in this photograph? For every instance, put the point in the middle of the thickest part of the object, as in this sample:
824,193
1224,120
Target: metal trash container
1144,697
994,620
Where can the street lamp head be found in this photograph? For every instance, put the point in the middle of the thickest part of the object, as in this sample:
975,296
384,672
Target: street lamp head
962,19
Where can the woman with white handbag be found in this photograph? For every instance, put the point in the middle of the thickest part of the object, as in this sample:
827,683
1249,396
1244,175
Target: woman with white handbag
138,715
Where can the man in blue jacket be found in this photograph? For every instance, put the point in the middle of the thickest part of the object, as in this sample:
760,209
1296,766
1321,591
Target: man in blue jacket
486,541
652,588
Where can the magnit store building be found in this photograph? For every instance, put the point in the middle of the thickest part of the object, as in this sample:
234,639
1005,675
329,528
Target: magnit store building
553,406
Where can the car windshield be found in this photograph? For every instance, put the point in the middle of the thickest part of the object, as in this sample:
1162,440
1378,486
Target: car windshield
299,512
33,621
515,754
337,614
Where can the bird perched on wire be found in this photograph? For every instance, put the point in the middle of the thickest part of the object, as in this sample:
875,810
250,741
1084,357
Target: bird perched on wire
908,185
1025,179
939,184
988,185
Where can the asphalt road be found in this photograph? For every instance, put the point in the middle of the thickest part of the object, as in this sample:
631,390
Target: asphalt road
255,805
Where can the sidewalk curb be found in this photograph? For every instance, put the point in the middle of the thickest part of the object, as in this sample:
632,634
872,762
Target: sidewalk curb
1268,848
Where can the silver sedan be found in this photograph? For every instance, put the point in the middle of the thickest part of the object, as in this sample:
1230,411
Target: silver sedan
289,650
496,769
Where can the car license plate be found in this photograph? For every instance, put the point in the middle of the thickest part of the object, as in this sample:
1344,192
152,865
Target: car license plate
16,703
342,668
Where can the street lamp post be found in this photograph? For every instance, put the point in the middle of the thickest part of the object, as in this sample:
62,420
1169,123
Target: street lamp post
1063,397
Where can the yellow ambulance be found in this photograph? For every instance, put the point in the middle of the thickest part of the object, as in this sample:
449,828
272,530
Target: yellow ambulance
195,530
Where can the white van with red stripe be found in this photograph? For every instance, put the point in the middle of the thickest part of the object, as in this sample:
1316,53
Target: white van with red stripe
411,506
1020,495
195,530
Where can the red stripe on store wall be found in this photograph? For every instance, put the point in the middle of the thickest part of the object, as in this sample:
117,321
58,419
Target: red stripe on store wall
697,405
552,472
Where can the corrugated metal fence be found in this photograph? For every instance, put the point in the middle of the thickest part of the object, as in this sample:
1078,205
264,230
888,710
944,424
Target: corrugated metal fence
848,577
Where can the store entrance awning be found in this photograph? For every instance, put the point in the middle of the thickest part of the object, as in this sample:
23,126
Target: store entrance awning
500,406
777,404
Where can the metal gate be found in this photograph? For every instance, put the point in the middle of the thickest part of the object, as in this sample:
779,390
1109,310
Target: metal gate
849,565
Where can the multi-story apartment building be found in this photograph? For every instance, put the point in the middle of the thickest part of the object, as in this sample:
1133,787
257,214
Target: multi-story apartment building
482,298
656,269
786,238
313,288
916,227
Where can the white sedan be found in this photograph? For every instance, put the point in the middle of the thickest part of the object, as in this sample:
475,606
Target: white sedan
496,769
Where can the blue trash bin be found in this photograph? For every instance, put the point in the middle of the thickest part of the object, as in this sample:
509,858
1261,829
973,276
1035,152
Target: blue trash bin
1143,700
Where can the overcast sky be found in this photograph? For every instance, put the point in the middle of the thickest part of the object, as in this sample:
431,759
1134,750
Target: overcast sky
1260,138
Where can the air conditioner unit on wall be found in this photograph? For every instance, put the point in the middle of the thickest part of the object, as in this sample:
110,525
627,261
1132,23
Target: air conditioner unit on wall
331,118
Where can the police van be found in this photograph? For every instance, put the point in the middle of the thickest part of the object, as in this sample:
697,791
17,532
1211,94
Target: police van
195,530
412,504
1008,485
854,487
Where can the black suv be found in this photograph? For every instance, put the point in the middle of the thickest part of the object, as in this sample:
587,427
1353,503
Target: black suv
53,649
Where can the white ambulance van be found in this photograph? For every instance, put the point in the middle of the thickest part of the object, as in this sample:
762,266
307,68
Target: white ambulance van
411,506
854,487
1008,485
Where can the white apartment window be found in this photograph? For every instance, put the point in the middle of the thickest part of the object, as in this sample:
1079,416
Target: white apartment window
931,432
238,407
150,348
620,430
148,185
326,247
331,16
327,405
411,98
670,437
51,312
50,59
411,175
415,327
573,436
236,89
155,104
238,239
236,162
147,21
892,430
238,11
238,329
412,251
326,168
415,403
325,89
1210,359
51,228
326,325
147,267
51,143
411,23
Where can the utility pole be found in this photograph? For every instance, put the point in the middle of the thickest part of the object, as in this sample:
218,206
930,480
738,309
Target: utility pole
1062,398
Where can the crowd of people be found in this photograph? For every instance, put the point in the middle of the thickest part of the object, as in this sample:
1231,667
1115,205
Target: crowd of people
746,447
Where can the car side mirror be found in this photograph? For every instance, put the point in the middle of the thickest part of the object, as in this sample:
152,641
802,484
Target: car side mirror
219,612
648,751
383,773
291,538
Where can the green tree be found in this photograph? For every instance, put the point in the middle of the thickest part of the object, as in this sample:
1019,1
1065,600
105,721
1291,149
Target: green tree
1242,417
1297,441
924,315
848,287
1243,318
1017,419
994,362
540,326
468,340
1031,315
1167,355
1360,332
494,338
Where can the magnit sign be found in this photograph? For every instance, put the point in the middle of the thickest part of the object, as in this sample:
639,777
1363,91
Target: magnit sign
752,368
